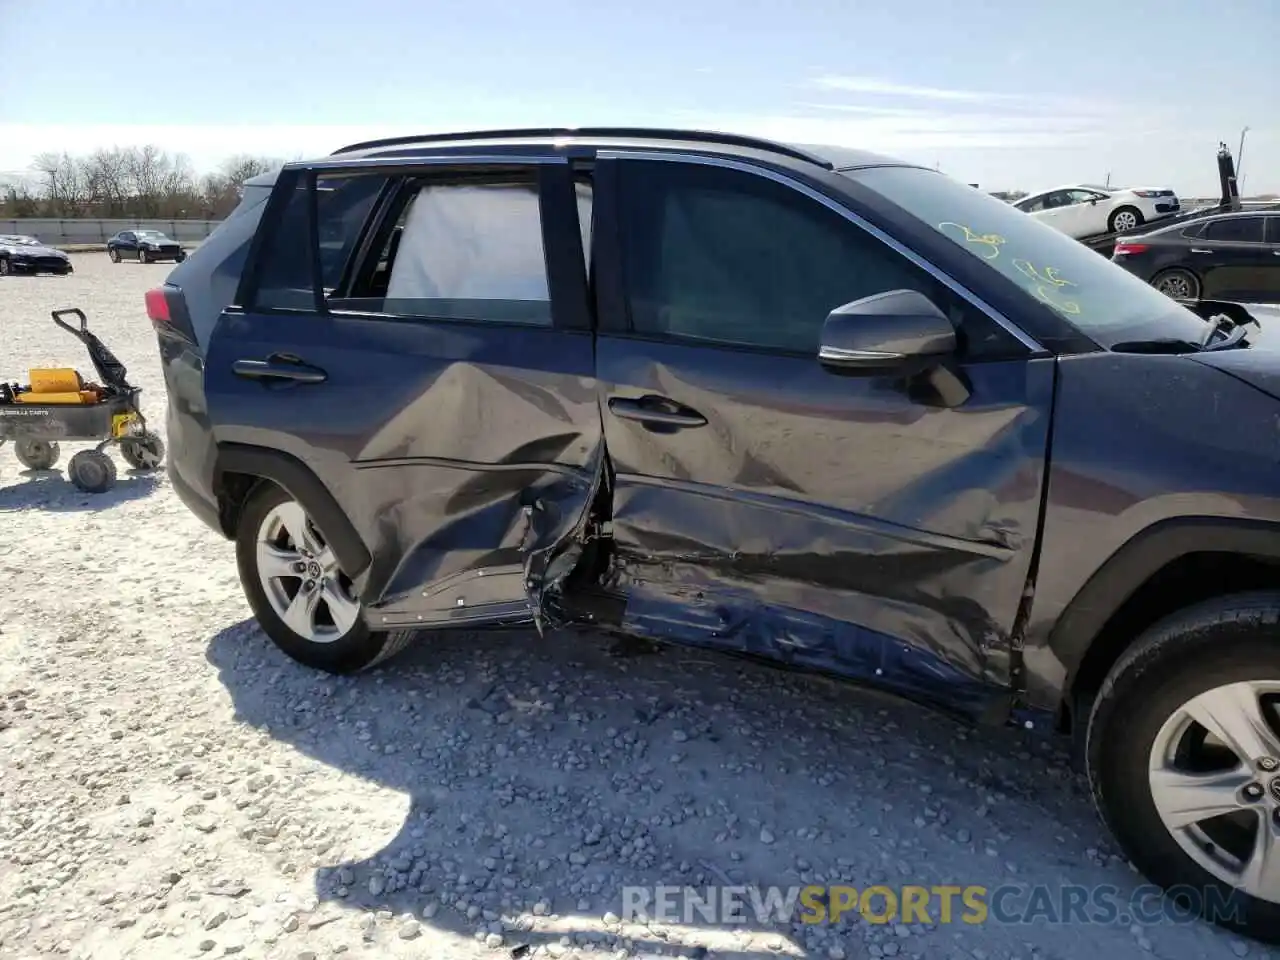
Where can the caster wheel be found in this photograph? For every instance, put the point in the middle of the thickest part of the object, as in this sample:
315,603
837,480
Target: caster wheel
36,454
92,471
143,453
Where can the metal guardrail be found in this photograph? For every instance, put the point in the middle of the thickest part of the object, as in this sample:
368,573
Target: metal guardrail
68,231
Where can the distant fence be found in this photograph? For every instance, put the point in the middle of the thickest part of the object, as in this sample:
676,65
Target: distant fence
75,230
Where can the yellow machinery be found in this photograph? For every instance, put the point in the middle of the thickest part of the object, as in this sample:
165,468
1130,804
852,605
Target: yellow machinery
59,404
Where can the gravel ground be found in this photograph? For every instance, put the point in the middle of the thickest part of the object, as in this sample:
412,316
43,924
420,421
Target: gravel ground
171,786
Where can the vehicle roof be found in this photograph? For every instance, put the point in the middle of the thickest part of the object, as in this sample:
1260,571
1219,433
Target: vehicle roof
602,138
1073,186
1178,225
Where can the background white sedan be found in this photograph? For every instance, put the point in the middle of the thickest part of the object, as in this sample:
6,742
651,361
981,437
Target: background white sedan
1084,210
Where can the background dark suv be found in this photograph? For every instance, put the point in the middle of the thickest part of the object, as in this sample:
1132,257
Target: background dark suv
845,413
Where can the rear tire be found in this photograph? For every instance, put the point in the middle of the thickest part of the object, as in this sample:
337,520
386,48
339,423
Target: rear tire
114,254
4,266
36,454
1125,218
1187,810
1177,283
92,471
279,551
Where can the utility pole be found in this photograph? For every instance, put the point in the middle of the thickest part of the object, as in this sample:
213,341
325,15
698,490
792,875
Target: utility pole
1240,156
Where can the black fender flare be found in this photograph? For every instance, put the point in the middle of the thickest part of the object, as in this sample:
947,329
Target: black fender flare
301,483
1140,558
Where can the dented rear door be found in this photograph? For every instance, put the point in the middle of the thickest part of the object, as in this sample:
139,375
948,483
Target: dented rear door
453,417
879,528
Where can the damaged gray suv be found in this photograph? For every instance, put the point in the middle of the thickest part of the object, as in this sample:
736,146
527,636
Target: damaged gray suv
824,407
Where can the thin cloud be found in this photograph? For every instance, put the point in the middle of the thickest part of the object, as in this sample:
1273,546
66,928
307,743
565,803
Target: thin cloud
910,132
875,86
991,99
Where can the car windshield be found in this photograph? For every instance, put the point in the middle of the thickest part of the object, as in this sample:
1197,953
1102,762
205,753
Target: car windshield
150,235
20,241
1104,301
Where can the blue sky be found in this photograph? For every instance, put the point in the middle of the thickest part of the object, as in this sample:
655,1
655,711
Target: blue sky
1004,94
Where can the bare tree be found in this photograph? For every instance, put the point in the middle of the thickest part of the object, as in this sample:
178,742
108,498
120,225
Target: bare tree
131,182
63,183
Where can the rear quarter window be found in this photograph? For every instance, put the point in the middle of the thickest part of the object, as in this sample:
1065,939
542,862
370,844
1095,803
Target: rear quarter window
286,272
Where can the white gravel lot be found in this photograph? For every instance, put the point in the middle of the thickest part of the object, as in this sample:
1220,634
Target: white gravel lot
171,786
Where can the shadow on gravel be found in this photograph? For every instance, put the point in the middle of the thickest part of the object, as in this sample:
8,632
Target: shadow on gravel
51,490
560,770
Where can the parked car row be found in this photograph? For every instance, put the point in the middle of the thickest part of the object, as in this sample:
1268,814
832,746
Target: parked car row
24,254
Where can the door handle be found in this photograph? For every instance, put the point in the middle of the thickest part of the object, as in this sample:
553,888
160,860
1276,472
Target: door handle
1198,250
656,410
278,368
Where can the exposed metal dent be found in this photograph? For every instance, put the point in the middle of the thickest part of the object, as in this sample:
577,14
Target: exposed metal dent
717,615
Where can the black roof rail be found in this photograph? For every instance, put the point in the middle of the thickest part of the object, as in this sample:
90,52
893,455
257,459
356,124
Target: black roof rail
654,133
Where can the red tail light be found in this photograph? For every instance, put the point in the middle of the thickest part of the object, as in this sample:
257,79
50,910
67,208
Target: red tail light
1123,248
158,306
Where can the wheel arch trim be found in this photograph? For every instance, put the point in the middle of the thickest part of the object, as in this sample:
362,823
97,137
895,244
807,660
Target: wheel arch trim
1142,556
301,483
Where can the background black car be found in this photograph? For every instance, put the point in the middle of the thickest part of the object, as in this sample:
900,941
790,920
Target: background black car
1233,256
23,254
145,246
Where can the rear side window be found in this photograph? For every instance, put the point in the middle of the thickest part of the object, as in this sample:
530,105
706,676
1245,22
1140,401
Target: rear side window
1273,229
286,278
1238,229
462,249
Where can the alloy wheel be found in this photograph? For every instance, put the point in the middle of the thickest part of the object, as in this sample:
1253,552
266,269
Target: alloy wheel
1124,220
301,578
1177,285
1214,773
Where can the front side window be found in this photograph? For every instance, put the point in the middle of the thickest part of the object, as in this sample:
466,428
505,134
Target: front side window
1235,230
727,257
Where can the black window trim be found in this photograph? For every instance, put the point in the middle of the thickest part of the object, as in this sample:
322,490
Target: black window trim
1034,348
563,257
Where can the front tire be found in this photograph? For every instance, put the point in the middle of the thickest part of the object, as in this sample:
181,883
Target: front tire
1183,756
304,602
143,453
1125,218
36,454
